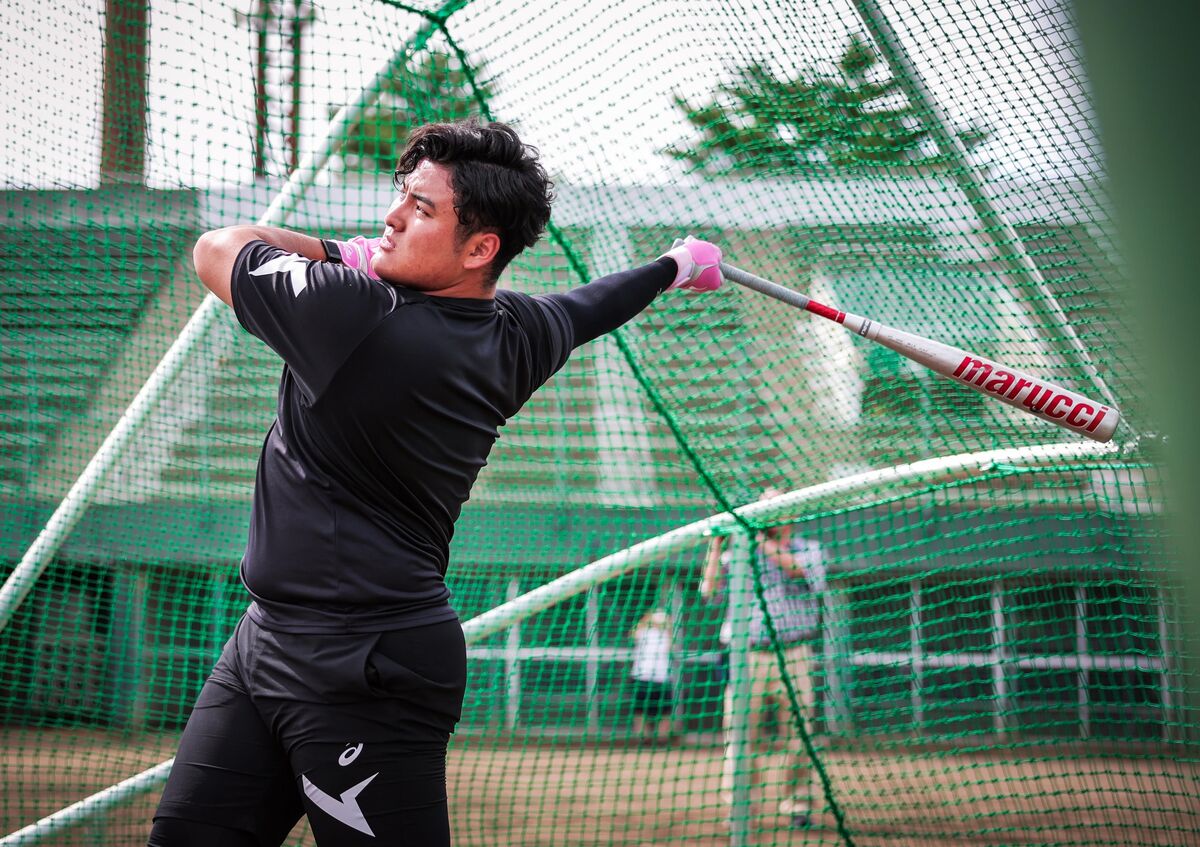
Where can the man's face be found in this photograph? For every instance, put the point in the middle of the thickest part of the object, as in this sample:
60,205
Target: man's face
420,247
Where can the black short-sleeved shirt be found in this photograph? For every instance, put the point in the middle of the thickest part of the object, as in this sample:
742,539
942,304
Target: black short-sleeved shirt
389,404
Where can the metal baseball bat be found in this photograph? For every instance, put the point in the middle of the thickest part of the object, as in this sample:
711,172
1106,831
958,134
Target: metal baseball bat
1019,389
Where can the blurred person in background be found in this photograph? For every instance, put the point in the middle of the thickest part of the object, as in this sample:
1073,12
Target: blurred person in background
653,700
793,576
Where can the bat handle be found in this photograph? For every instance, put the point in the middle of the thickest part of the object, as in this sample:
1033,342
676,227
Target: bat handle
764,286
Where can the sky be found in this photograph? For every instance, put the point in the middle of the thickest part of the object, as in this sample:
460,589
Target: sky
590,83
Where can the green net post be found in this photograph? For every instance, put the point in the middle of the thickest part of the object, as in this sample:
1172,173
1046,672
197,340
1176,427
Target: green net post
742,604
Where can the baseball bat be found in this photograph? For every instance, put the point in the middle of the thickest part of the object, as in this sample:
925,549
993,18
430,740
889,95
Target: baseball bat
1021,390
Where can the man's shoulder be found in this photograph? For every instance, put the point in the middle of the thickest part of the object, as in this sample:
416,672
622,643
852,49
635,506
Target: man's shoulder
544,326
531,312
507,298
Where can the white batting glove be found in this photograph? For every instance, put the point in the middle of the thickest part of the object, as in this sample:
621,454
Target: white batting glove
697,264
355,253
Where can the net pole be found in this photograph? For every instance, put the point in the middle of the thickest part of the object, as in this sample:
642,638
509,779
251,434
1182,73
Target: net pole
739,751
74,505
997,229
84,810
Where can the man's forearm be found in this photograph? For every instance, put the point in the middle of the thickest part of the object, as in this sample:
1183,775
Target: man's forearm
609,302
216,251
710,580
285,239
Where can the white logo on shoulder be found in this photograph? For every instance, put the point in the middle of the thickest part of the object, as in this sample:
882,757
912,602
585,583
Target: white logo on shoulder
345,809
295,266
349,755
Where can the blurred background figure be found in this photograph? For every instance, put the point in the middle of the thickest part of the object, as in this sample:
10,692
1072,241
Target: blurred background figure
792,571
653,701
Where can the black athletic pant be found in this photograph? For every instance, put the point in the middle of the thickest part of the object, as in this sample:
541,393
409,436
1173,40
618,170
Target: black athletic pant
367,769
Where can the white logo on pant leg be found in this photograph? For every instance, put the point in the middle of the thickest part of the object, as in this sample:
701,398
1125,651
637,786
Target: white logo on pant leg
346,809
349,755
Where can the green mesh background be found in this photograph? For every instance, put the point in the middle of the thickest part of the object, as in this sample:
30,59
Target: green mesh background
999,659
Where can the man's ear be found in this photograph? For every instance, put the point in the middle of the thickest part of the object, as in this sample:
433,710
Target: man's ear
482,248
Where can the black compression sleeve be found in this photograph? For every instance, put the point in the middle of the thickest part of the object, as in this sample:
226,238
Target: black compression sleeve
607,303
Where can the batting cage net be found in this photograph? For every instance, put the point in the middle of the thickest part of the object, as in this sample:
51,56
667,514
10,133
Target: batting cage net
985,646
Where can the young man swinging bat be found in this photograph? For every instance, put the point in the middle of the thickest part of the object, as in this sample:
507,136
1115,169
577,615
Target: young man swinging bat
336,695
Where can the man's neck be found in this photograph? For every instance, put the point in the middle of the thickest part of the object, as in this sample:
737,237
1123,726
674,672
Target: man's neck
468,289
465,288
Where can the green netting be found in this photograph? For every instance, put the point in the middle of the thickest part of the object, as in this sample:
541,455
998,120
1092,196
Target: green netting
998,658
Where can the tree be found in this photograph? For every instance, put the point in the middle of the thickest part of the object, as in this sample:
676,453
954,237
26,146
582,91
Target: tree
438,89
760,124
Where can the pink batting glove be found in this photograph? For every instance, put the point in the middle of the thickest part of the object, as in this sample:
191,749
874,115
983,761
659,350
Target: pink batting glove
355,253
698,263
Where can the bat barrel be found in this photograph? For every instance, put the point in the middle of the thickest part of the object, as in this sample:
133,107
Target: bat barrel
1041,398
1032,395
764,286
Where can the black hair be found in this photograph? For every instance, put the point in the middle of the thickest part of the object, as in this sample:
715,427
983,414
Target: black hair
499,184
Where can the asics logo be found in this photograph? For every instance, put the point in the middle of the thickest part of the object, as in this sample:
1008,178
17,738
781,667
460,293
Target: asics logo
349,755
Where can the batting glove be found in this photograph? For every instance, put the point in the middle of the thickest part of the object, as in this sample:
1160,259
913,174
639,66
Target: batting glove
355,253
697,263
